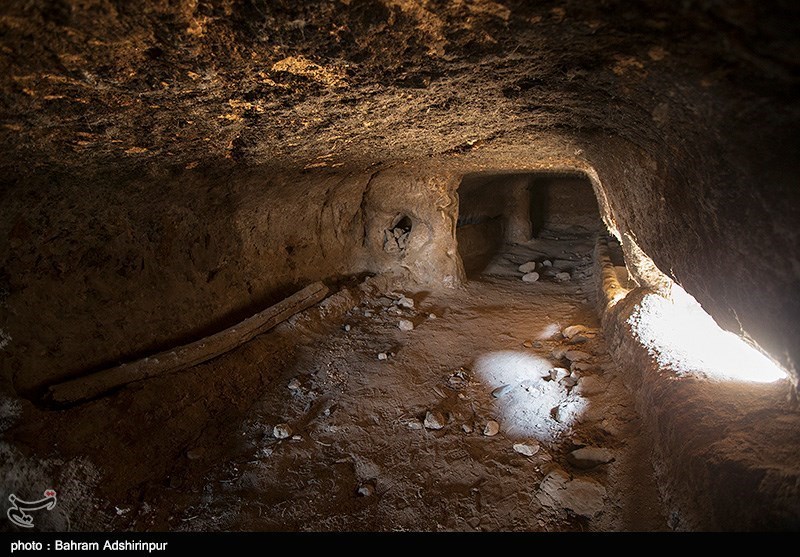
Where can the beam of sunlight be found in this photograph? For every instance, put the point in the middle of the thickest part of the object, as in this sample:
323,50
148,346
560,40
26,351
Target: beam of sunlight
536,407
684,338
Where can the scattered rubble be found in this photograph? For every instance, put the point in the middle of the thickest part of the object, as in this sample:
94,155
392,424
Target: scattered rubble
589,457
282,431
584,497
366,490
492,428
434,420
526,450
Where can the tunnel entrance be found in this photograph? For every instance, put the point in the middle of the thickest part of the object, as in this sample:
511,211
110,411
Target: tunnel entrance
498,209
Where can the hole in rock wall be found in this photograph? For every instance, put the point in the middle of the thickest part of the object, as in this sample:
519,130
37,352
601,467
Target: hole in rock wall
395,238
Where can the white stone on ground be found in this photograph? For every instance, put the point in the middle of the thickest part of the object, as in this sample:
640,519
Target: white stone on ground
589,457
526,450
492,428
500,391
347,328
573,330
414,424
431,316
281,431
562,276
404,302
547,263
434,420
382,356
466,428
405,325
558,373
530,277
527,267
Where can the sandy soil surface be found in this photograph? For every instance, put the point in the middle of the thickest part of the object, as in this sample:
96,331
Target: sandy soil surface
401,443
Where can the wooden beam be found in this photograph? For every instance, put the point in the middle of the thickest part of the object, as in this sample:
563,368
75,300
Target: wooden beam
188,355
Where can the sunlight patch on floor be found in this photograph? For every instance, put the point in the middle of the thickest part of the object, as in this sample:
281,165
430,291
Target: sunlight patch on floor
535,406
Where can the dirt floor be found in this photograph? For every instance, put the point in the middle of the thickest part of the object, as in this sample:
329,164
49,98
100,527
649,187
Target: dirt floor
401,443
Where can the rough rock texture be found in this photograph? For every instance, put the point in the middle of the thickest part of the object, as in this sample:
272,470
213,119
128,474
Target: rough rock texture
168,165
725,452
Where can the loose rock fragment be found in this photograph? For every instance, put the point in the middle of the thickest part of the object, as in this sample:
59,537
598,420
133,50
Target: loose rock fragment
573,330
294,385
347,328
434,420
404,302
457,380
383,356
562,276
584,497
414,424
558,373
282,431
547,263
589,457
527,344
530,277
366,490
500,391
405,325
527,267
526,450
492,428
569,381
431,316
466,428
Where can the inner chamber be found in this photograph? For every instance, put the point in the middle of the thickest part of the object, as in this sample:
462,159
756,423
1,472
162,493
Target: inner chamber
500,208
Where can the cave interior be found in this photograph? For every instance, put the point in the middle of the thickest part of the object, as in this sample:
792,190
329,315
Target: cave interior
401,264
